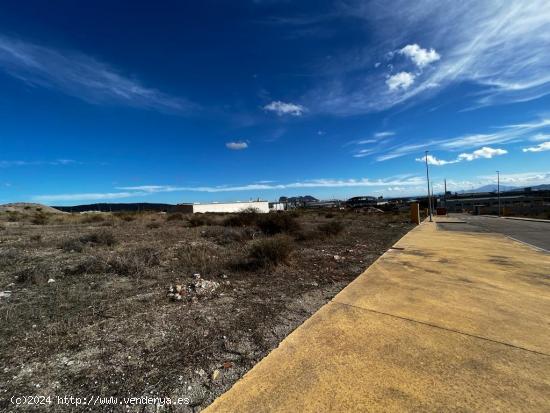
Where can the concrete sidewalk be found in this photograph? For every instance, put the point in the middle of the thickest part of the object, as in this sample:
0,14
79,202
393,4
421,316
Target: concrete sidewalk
446,320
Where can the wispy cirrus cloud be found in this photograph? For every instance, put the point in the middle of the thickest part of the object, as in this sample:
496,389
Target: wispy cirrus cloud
147,190
375,142
100,196
500,135
12,163
406,184
499,46
521,178
82,76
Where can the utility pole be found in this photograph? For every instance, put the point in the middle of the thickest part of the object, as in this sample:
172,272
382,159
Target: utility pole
428,180
433,197
498,191
445,193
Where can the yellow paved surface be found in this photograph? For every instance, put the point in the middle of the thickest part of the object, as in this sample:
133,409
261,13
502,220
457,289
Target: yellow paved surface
447,320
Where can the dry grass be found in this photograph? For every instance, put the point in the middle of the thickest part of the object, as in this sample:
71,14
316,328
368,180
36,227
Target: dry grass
135,263
106,325
277,223
269,252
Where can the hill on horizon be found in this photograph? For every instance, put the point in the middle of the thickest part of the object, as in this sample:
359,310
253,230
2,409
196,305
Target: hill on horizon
28,208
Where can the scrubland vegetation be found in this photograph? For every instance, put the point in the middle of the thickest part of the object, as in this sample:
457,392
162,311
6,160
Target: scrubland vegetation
85,304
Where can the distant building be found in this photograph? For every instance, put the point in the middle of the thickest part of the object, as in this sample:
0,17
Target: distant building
362,201
259,206
331,203
277,206
518,201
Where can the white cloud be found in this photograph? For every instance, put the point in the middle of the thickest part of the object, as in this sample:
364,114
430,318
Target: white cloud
485,152
410,184
502,135
501,46
432,160
81,76
236,145
147,190
544,146
401,80
282,108
421,57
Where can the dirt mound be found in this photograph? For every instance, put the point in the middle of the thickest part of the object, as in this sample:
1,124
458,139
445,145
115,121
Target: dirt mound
28,208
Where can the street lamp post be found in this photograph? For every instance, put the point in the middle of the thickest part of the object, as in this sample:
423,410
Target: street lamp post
429,194
498,191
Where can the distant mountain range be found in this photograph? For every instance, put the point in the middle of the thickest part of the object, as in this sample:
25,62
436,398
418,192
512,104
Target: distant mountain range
298,199
492,188
131,207
505,188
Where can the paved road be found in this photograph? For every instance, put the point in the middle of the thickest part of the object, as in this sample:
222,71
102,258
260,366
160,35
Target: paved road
531,232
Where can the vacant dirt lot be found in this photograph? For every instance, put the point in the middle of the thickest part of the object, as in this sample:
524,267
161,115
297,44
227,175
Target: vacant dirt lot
165,305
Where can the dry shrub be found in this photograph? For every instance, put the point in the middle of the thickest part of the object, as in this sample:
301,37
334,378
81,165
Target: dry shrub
329,215
37,274
153,225
307,235
71,245
198,258
14,216
247,217
100,237
174,216
90,265
269,252
135,263
107,223
199,220
126,216
271,224
9,257
330,229
92,218
36,237
39,219
225,236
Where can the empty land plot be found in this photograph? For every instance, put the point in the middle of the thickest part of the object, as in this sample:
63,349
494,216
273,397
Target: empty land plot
166,305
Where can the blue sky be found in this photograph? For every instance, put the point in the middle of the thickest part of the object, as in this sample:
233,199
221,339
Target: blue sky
195,101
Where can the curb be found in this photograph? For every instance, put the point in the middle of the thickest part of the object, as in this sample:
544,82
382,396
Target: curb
516,218
529,219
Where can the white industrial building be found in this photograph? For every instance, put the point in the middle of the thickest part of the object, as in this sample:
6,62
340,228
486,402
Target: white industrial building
259,206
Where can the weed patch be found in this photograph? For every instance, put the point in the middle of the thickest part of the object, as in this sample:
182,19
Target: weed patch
277,223
269,252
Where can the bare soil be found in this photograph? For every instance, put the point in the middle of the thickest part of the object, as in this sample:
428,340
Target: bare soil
85,310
